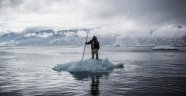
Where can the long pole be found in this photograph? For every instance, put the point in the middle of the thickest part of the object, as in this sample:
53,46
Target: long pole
85,46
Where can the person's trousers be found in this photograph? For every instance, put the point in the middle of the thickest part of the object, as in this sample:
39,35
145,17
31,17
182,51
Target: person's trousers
94,51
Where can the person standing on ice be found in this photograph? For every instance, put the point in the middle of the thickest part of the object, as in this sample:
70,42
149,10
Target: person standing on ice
94,46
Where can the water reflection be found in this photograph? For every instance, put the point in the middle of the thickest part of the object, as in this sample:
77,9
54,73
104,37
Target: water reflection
94,86
95,80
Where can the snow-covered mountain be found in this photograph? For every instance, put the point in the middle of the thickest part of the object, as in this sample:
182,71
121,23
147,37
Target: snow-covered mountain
42,37
71,37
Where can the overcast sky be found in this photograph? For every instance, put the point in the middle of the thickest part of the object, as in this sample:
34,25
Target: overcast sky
117,16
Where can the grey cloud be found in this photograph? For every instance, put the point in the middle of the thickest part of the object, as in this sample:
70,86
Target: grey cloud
10,3
151,11
25,6
145,11
148,11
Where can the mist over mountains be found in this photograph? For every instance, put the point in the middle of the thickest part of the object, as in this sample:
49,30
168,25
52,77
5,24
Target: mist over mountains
37,36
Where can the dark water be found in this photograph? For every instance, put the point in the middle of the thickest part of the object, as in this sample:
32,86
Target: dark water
27,71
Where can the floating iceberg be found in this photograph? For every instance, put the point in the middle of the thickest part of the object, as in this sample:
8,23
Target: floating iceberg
90,65
165,47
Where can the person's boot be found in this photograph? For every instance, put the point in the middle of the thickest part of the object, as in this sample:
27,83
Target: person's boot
97,56
92,56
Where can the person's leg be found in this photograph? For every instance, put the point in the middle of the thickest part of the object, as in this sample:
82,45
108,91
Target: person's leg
96,54
92,52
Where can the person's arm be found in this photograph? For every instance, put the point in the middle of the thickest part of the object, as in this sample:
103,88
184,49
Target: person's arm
88,42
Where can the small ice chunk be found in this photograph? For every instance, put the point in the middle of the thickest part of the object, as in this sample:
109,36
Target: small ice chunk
89,65
165,47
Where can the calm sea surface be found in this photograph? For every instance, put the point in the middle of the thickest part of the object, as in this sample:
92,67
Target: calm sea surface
27,71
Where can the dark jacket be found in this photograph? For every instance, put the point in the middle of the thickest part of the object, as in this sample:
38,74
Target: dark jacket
94,43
